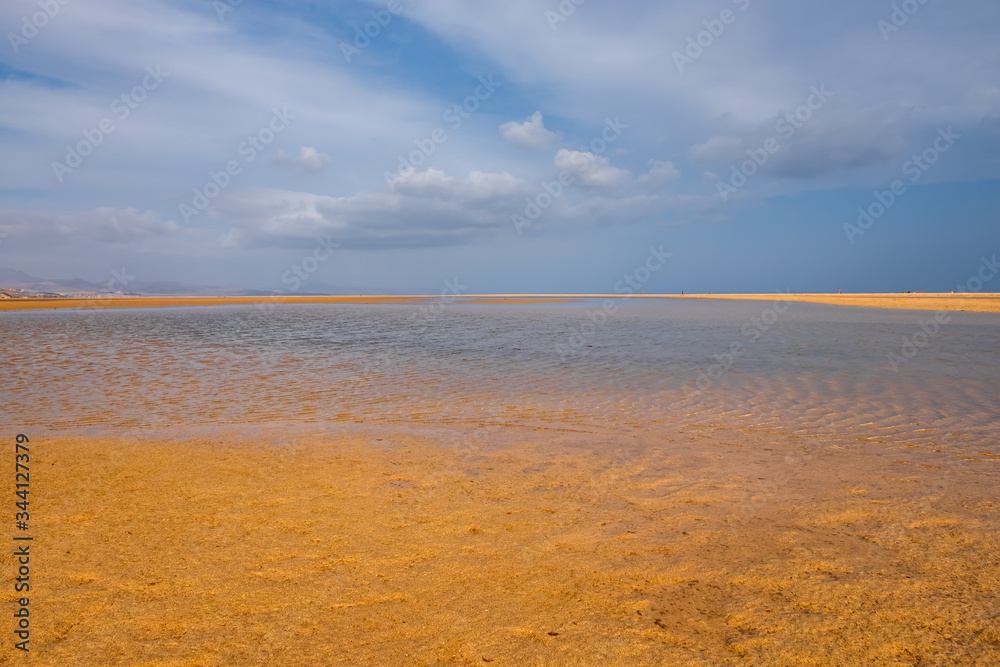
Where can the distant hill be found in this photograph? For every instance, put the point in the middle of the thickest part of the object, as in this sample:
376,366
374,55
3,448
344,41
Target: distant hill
19,280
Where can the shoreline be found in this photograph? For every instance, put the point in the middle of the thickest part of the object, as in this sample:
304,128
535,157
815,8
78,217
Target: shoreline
972,302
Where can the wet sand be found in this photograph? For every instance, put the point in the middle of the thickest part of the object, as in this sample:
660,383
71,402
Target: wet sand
985,303
712,547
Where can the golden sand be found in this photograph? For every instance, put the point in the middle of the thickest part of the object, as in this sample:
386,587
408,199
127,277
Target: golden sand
982,303
988,303
355,549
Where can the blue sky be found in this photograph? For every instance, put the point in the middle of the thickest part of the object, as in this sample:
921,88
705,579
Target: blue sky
741,136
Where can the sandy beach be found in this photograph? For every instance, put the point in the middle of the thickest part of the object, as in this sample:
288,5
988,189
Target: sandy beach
980,303
389,549
983,303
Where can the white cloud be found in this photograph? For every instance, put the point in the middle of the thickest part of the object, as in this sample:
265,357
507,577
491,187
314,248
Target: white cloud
718,149
425,208
820,146
660,173
427,180
106,225
529,134
309,159
592,170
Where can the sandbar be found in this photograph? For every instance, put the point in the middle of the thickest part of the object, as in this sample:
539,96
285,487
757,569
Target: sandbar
988,303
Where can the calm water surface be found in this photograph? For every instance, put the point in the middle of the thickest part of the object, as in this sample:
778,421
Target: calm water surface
809,369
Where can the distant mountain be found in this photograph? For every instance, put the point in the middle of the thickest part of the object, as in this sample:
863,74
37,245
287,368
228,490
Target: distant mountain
20,280
167,288
14,279
8,276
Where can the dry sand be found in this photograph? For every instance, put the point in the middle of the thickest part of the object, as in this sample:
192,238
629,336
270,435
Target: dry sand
983,303
989,303
714,548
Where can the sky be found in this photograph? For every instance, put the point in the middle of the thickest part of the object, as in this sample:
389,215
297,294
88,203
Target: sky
524,146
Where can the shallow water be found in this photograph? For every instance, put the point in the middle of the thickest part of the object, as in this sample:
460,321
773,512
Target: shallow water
805,505
801,368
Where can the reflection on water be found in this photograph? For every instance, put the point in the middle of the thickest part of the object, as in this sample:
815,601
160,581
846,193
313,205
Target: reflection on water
811,369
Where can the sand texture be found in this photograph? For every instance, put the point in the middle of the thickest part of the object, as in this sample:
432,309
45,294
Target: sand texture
716,548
